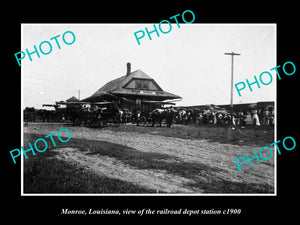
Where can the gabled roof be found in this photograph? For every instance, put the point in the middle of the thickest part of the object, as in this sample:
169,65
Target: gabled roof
116,87
119,83
73,99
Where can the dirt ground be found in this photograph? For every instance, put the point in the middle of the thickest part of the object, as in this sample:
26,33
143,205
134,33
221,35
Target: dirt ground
163,163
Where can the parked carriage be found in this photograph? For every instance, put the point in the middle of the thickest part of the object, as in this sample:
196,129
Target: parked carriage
157,116
93,114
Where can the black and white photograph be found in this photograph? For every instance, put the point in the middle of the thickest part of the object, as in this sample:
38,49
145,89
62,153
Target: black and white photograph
149,111
165,109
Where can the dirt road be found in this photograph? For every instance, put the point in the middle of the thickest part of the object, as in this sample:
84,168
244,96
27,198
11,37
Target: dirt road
216,160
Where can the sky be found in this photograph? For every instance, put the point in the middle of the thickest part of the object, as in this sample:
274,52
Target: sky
188,61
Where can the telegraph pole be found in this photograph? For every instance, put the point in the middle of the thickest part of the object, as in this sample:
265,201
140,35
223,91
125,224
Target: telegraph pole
232,54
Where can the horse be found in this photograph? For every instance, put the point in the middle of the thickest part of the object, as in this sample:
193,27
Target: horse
158,115
182,116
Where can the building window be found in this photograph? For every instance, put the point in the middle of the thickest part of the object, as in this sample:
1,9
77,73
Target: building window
142,84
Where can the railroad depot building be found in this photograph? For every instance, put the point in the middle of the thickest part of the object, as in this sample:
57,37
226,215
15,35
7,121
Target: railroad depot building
135,90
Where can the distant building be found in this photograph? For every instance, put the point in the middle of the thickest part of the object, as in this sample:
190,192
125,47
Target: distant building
135,90
73,99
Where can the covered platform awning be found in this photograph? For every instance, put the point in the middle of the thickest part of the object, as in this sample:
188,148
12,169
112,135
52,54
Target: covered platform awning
158,102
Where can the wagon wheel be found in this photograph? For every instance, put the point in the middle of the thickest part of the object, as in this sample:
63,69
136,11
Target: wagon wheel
144,119
100,123
117,121
88,123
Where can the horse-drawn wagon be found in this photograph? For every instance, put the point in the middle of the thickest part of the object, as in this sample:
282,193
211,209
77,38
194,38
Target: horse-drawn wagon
93,114
158,116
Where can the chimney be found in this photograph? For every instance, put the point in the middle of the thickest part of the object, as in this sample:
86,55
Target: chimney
128,69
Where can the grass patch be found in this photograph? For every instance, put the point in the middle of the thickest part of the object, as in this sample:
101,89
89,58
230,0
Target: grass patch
143,160
44,174
48,175
216,185
258,136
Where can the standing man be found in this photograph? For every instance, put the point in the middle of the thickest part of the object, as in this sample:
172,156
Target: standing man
169,117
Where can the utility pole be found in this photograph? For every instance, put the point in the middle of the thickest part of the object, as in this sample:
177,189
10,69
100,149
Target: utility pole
232,54
79,94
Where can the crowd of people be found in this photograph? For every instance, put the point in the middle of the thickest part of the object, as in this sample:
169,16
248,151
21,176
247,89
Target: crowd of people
178,115
257,117
222,117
